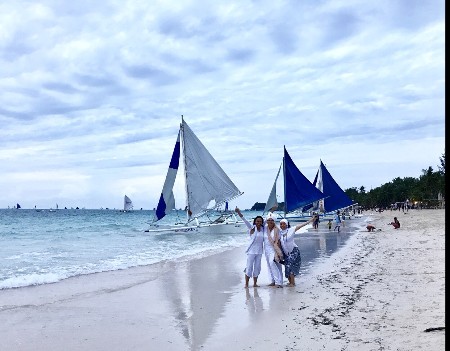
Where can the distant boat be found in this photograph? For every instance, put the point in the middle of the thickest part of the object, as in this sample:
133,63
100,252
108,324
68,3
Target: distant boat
127,204
336,198
18,206
298,190
207,186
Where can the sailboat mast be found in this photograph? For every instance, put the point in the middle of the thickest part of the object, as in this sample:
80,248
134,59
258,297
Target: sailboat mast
183,146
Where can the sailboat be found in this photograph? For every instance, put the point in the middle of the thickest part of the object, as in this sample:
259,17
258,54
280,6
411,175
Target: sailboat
127,204
298,190
207,187
18,206
336,198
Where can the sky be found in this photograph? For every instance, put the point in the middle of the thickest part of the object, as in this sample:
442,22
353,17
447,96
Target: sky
92,94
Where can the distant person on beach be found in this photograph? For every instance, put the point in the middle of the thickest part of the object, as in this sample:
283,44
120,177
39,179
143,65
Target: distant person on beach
254,250
370,227
292,258
395,223
272,251
316,221
329,224
337,221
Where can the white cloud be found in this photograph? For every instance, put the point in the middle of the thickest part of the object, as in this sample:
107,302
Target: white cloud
96,90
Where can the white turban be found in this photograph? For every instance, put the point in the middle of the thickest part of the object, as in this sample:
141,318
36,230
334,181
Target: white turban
270,215
284,220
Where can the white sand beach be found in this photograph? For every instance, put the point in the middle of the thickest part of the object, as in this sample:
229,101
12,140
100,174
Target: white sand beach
382,291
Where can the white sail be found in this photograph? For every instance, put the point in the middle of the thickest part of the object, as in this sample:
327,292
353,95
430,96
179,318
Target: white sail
207,185
320,204
272,203
127,204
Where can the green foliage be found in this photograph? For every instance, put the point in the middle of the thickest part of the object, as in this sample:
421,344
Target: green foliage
425,189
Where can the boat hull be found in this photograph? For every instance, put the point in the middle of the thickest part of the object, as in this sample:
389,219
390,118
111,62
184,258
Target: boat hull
211,228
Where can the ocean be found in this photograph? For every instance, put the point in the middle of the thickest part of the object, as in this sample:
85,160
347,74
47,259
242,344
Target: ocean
42,247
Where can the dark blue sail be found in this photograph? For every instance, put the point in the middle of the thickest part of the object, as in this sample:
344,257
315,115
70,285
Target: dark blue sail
313,205
167,201
336,198
298,190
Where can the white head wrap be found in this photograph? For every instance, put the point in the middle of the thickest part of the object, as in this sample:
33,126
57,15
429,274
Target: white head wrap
284,220
270,215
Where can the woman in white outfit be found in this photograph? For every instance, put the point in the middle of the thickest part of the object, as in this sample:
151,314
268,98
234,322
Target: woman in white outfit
292,258
255,248
273,252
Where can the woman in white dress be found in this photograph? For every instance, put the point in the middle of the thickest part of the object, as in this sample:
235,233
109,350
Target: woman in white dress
272,252
255,248
292,258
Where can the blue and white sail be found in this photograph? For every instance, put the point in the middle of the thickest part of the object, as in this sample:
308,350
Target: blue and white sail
336,198
208,187
298,190
167,200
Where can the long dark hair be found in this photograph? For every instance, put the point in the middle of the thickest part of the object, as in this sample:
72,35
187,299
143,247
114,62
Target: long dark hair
254,220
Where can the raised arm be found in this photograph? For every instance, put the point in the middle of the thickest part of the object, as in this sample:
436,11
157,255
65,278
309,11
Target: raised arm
298,226
247,223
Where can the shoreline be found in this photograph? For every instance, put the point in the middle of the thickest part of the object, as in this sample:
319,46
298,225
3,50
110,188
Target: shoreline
380,290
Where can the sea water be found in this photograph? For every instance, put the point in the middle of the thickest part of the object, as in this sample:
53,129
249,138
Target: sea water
40,247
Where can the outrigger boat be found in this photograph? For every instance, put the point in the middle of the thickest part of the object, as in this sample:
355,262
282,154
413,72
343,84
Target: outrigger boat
207,187
298,192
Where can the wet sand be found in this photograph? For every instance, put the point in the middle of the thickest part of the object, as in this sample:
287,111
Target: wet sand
380,291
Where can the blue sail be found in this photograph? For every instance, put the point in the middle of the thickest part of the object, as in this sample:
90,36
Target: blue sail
336,198
298,190
167,200
314,205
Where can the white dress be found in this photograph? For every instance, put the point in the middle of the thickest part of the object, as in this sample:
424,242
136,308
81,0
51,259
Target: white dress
254,250
275,269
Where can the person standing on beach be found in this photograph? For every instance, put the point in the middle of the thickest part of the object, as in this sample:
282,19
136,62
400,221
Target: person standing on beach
273,252
329,224
337,221
316,221
255,248
292,259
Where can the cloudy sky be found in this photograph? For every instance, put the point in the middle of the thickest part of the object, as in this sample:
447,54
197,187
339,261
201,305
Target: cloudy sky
92,94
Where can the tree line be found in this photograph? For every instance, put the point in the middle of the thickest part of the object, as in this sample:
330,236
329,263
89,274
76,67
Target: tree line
423,190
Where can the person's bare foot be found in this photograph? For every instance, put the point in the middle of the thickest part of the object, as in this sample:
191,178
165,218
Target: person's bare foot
291,285
246,286
255,285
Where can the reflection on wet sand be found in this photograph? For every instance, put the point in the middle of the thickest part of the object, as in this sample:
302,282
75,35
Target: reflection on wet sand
203,293
253,302
198,296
